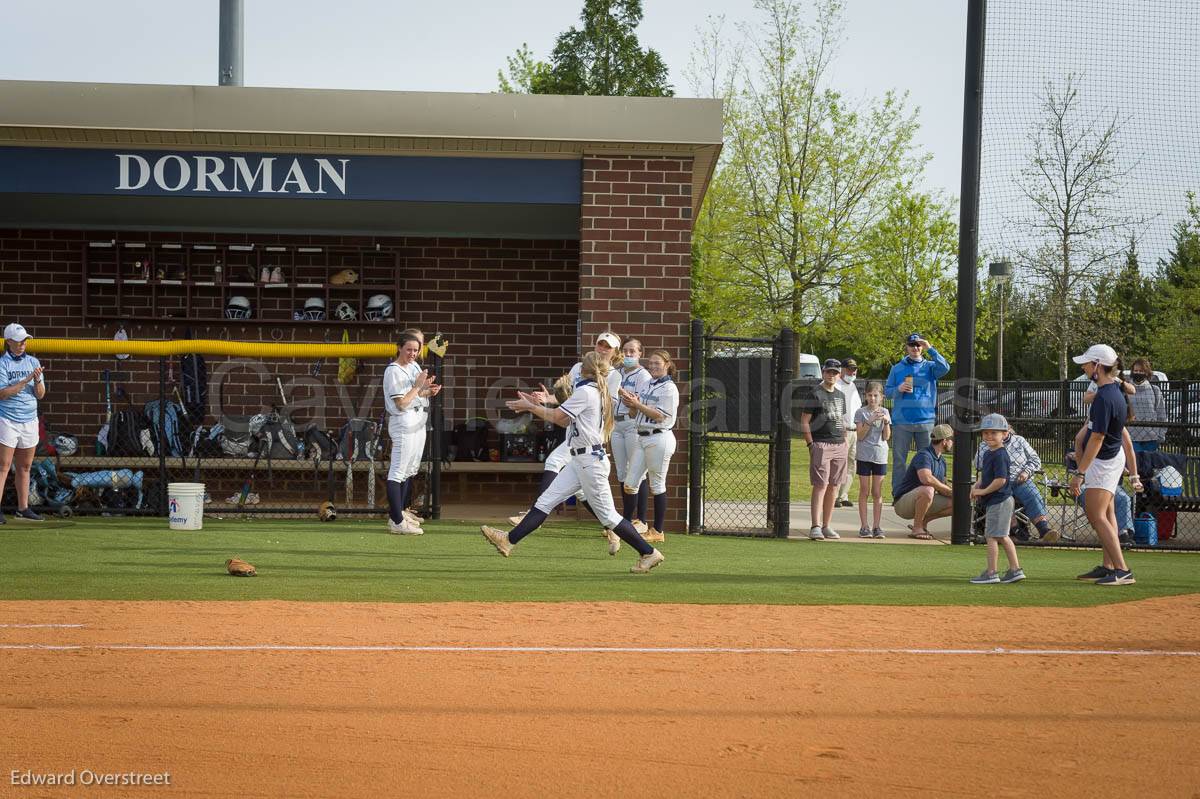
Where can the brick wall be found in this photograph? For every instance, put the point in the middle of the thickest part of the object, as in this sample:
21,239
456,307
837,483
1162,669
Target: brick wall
635,269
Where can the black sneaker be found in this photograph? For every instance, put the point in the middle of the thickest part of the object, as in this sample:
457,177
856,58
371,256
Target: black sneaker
1117,577
29,515
1095,574
2,519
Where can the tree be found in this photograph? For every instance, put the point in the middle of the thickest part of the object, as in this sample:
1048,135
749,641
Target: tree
1077,236
804,174
905,281
603,57
1175,341
1126,306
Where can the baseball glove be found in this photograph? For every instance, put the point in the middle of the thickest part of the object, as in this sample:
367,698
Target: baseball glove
240,568
327,513
344,277
438,344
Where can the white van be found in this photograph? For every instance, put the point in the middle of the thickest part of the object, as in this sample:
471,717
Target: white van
808,366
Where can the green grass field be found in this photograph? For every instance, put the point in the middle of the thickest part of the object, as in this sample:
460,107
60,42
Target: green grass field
140,559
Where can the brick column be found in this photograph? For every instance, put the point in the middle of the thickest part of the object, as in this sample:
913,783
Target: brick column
635,271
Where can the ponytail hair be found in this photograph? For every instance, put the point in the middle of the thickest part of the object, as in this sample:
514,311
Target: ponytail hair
666,358
597,367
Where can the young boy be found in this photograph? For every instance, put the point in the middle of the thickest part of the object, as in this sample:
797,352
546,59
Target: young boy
995,491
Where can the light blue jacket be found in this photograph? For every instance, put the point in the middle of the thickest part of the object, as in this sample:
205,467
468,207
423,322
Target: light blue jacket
22,406
919,406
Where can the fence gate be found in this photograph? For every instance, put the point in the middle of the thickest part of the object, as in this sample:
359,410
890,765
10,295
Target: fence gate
739,442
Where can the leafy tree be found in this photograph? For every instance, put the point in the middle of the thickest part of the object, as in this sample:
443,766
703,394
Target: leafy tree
805,174
1175,347
1126,305
602,57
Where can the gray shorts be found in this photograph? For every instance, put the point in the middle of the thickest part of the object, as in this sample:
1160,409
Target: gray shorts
999,519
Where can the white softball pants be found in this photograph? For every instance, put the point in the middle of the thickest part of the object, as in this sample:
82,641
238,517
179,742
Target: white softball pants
407,431
652,455
587,473
624,444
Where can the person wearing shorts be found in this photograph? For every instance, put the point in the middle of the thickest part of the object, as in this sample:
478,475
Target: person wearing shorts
874,427
823,423
994,492
923,493
21,386
1104,451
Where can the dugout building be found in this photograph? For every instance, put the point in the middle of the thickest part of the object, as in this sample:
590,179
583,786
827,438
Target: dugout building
519,226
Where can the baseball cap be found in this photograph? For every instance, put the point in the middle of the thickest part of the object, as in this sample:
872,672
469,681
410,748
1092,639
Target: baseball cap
849,363
913,338
1098,353
993,421
16,332
943,431
610,339
832,364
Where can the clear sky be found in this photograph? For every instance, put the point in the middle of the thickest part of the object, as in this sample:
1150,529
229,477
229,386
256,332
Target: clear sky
908,45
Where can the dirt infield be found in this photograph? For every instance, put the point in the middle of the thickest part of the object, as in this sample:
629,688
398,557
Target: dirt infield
835,710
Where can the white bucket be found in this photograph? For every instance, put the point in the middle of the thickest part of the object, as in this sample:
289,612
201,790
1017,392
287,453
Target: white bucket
185,505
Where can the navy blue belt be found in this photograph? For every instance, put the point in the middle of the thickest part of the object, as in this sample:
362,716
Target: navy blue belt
650,432
592,448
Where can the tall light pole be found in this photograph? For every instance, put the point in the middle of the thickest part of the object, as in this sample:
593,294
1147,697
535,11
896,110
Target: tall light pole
1000,272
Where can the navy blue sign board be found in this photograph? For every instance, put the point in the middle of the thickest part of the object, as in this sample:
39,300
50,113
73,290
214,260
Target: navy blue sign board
180,173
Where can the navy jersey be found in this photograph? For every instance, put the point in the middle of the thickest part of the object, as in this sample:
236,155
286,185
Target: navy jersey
1107,415
996,463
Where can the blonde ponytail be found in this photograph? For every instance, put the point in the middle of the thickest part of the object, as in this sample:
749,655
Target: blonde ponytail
597,367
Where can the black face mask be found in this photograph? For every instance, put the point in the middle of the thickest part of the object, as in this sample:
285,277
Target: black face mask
1138,377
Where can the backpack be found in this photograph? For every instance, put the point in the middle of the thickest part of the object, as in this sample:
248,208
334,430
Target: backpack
470,440
195,384
129,435
279,439
240,439
357,438
174,427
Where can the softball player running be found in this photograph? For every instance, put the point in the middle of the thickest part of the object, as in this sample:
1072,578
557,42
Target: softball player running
21,386
656,408
407,389
608,347
624,439
588,417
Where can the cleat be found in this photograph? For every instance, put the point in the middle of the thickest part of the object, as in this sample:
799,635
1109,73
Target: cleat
647,562
640,526
614,542
654,536
498,539
515,520
412,518
404,528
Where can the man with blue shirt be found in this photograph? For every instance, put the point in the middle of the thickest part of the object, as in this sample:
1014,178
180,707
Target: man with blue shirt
912,388
21,386
923,493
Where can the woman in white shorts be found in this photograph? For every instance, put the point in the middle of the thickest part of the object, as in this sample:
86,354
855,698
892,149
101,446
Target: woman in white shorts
634,379
656,409
21,386
406,392
1103,452
588,417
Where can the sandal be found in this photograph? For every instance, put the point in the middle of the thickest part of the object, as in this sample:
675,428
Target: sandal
922,536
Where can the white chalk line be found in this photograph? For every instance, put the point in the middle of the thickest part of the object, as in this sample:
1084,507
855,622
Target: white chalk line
36,626
637,650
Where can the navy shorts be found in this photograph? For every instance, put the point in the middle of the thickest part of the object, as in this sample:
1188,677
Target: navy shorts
868,469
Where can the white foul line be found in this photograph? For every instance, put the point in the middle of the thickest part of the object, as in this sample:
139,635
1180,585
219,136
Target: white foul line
641,650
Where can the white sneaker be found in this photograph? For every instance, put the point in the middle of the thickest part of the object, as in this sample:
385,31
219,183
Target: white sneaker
413,518
404,528
515,520
614,542
640,526
277,275
498,539
647,562
265,275
829,534
236,499
816,535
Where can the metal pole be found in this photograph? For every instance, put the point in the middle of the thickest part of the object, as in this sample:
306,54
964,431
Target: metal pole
1000,340
161,434
968,248
696,432
230,41
783,433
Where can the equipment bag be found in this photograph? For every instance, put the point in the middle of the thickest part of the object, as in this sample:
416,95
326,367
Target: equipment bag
130,436
174,427
195,384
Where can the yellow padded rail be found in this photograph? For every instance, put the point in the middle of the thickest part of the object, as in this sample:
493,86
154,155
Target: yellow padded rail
236,349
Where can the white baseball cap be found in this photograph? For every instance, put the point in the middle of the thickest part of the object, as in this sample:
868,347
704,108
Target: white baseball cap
16,332
1098,353
610,339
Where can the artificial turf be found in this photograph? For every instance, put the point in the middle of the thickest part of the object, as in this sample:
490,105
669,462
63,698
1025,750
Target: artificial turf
141,559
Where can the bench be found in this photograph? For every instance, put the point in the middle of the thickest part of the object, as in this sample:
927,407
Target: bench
1165,507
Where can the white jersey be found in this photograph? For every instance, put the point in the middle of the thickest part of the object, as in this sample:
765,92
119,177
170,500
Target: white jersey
586,429
635,381
661,394
614,379
853,401
397,381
